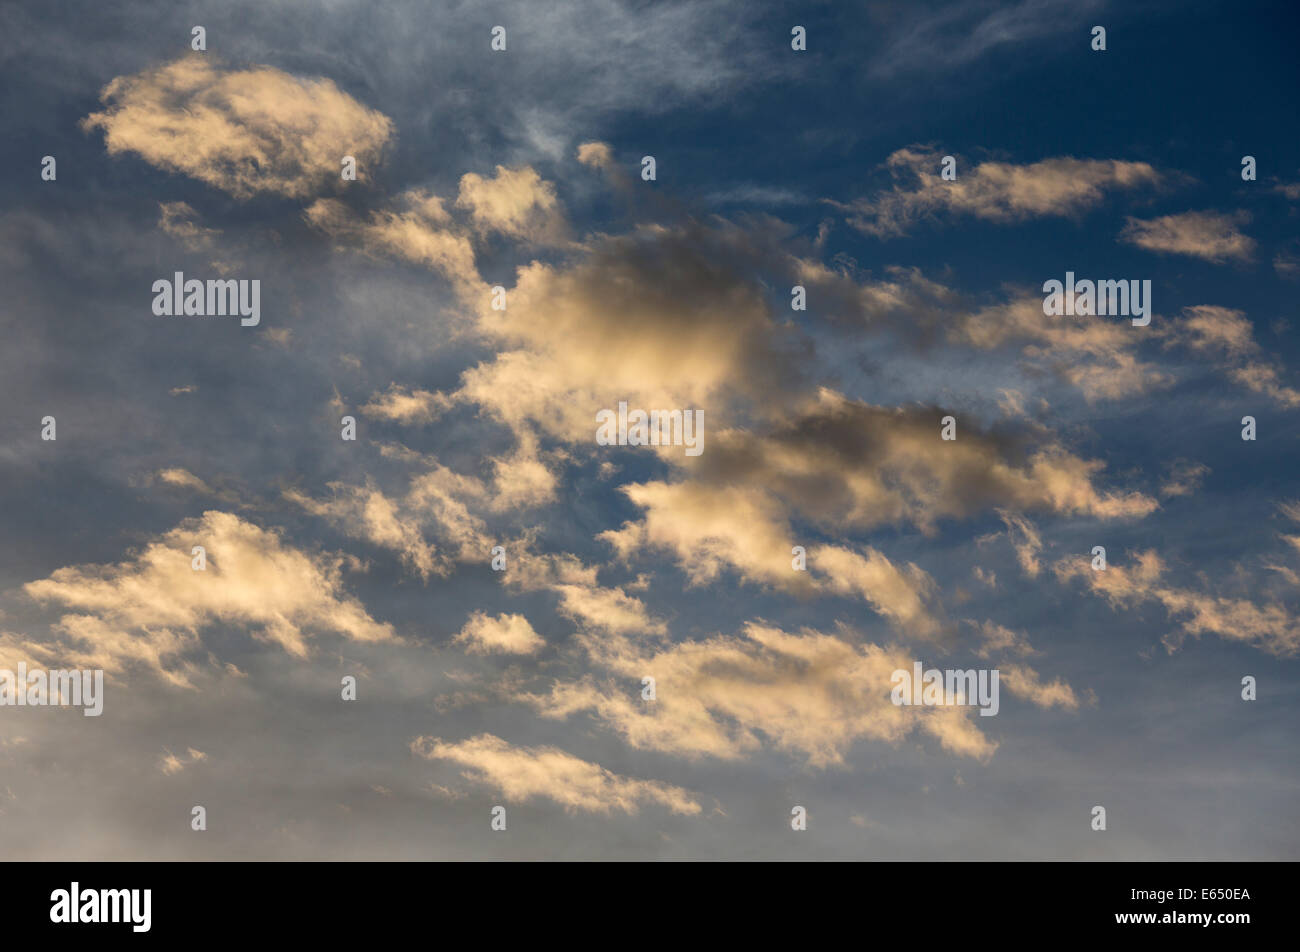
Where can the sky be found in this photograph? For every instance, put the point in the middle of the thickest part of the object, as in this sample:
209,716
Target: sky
346,675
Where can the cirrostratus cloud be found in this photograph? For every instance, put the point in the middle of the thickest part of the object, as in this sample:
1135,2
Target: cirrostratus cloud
993,191
243,131
151,608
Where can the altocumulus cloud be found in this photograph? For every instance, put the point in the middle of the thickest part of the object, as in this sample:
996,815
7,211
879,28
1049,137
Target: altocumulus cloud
525,773
810,694
1206,235
994,191
243,131
150,609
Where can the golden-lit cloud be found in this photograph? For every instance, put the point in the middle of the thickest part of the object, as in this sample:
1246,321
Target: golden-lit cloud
177,476
243,131
151,608
1184,479
170,763
1226,337
527,773
1023,681
1269,626
657,317
1206,235
1025,539
518,203
595,154
1099,356
811,694
503,634
709,530
403,405
843,462
581,597
1001,641
366,513
993,191
846,466
440,518
417,228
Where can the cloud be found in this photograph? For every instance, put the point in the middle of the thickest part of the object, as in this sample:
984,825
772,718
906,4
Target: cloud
597,155
1269,626
417,229
15,648
438,502
183,478
243,131
1262,378
1098,357
846,466
581,597
665,316
1001,640
402,405
1217,331
522,480
179,221
709,529
515,202
504,634
1184,479
606,609
993,191
171,764
956,35
1023,681
365,512
1227,337
1206,235
527,773
813,695
853,465
151,608
1287,265
1025,539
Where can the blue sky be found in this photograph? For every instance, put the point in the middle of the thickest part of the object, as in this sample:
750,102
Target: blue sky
371,558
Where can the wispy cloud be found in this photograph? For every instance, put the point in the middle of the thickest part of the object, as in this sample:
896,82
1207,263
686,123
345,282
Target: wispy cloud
994,191
526,773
